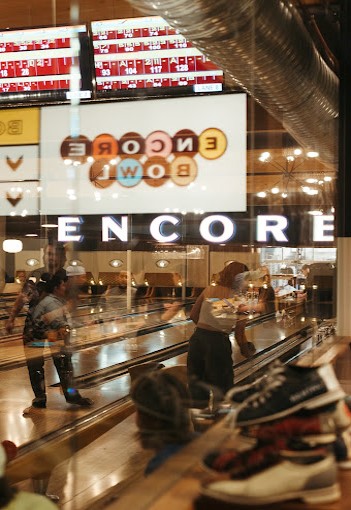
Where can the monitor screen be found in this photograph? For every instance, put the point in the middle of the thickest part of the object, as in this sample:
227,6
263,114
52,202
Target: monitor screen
147,53
36,64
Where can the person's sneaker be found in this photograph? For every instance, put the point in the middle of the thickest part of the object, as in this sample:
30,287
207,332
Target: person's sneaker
292,389
247,349
80,401
31,410
309,476
239,394
37,403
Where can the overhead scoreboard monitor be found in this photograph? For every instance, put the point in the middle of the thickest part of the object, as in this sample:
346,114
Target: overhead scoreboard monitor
144,53
36,63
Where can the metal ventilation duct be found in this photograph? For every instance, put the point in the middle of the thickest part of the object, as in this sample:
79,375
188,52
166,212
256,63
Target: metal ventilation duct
264,47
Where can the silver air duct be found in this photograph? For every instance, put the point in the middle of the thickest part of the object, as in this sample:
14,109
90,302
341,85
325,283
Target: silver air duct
264,47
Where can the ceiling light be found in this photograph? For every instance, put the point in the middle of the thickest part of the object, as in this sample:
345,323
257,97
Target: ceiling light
312,154
12,245
264,157
49,225
31,235
32,262
116,263
75,262
162,263
287,166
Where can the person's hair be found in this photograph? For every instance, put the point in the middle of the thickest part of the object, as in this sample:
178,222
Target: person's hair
162,402
266,278
54,282
227,275
60,248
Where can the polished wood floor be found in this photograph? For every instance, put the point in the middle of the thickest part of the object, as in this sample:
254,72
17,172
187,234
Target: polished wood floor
115,459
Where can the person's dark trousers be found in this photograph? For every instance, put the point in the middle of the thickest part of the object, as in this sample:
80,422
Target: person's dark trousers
210,365
64,367
35,365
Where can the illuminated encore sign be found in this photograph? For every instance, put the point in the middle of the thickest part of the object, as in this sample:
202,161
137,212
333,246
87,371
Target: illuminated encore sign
36,60
147,52
167,228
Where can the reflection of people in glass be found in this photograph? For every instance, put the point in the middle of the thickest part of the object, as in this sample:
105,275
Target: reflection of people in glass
54,258
76,279
210,363
162,415
304,291
51,320
119,291
266,297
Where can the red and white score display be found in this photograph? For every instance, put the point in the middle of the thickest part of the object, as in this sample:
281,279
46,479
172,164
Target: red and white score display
36,60
147,52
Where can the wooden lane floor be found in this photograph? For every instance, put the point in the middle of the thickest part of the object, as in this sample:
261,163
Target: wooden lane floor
99,329
16,393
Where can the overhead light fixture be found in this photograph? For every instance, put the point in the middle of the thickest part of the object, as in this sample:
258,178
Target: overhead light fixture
31,235
75,262
116,263
12,245
312,154
49,225
288,179
162,263
32,262
315,212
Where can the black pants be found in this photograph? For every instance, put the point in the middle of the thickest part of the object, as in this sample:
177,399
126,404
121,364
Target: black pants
210,365
35,364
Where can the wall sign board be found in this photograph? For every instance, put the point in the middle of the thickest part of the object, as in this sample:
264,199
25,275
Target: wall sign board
158,156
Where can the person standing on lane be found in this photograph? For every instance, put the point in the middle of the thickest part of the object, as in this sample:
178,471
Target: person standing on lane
51,321
209,361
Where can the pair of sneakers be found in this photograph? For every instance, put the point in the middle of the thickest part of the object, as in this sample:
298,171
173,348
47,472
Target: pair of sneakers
75,399
287,412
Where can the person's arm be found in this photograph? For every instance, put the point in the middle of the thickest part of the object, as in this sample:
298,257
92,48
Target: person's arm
15,311
52,313
195,311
